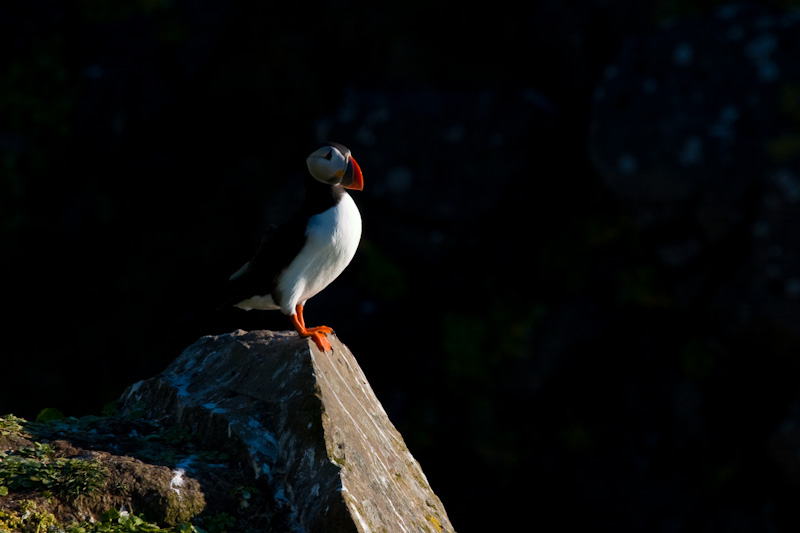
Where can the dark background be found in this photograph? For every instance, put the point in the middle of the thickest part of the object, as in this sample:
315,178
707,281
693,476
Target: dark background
578,287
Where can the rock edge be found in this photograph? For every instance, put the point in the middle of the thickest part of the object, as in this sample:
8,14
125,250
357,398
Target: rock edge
305,420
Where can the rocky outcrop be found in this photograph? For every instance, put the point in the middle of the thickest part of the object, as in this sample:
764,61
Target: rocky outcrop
306,422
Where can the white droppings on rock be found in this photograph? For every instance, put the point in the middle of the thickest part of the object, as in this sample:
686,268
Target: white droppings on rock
177,480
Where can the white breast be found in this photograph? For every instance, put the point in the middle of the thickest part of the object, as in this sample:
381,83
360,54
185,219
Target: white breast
332,238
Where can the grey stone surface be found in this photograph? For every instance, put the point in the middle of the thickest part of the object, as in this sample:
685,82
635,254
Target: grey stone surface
305,420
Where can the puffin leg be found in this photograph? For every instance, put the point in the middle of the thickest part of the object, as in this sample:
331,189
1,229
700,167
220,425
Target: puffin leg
320,329
317,336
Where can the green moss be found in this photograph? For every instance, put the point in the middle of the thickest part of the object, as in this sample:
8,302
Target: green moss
36,468
114,521
180,509
27,520
12,425
35,471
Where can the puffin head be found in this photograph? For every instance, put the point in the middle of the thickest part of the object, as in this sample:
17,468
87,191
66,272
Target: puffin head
333,164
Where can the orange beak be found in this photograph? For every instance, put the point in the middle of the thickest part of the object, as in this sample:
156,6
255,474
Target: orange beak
353,179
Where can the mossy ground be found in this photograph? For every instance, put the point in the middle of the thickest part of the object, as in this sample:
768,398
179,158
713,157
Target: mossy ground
86,475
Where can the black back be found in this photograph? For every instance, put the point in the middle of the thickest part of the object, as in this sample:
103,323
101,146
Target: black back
281,245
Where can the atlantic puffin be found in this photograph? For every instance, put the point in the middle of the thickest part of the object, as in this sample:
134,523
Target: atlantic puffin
299,259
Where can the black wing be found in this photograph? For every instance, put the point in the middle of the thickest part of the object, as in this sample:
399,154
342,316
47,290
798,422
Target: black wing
277,250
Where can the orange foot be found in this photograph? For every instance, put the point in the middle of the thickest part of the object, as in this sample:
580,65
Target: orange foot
316,333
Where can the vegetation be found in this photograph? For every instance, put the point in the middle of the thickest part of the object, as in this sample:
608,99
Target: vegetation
36,467
43,491
30,520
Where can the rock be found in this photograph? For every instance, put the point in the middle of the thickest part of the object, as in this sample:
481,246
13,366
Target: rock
150,490
307,422
63,472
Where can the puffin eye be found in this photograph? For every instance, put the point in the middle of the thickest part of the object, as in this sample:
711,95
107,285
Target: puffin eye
329,155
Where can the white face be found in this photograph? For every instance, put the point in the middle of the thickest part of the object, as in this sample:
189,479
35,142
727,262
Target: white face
328,164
